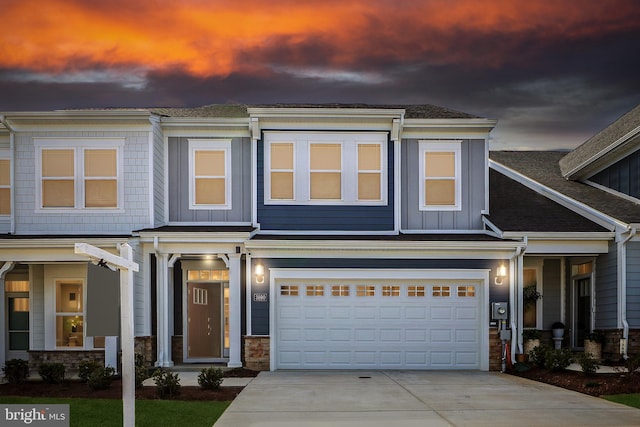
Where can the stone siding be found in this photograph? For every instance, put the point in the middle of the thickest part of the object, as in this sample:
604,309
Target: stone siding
257,353
495,350
70,359
177,349
147,347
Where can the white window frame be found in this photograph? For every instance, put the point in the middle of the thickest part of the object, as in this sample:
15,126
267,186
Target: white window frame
436,146
211,145
83,314
349,142
6,155
78,145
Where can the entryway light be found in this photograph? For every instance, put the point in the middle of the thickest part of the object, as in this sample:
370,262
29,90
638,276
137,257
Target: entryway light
501,273
259,272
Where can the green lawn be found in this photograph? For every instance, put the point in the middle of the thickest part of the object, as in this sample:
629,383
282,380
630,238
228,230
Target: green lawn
632,399
151,413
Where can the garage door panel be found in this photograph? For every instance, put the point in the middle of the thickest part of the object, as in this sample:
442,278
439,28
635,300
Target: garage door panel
378,325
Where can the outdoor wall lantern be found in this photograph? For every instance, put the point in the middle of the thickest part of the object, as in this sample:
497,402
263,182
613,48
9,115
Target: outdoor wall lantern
501,274
259,272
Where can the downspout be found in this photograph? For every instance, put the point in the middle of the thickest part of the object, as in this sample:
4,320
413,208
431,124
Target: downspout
514,297
3,120
622,290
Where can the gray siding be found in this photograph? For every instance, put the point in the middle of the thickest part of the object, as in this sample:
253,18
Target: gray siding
473,190
134,214
37,307
158,176
179,184
606,286
623,176
633,284
551,292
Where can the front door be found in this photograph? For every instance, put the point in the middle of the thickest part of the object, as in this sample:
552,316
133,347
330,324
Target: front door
204,317
18,326
582,310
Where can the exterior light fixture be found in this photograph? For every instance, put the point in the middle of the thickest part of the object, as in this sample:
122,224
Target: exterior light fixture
259,272
501,274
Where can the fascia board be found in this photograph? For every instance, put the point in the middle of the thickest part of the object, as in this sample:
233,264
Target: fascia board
203,126
274,112
53,242
194,248
447,128
194,237
560,236
580,208
558,247
384,245
381,253
601,160
37,120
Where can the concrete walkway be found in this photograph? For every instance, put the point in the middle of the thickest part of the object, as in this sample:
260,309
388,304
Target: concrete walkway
415,398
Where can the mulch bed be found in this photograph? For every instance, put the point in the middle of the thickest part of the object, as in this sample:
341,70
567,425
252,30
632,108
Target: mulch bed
77,389
594,385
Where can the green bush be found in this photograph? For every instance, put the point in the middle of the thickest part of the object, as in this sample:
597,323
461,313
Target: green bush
141,371
588,364
558,360
210,378
633,364
101,378
538,355
167,383
16,371
52,373
86,368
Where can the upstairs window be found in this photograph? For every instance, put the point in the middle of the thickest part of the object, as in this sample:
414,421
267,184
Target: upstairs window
325,168
210,172
79,173
5,187
440,175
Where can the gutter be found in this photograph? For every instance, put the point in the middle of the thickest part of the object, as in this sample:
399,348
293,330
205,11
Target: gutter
3,120
622,290
515,295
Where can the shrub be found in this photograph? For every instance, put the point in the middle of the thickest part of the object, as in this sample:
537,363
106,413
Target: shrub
538,355
633,364
167,383
210,378
16,371
558,360
101,377
52,373
588,364
86,368
141,371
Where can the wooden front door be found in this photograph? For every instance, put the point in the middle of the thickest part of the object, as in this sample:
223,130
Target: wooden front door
204,317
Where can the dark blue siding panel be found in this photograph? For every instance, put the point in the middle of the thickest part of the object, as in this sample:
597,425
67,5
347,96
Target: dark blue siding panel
633,284
606,289
323,218
260,310
623,176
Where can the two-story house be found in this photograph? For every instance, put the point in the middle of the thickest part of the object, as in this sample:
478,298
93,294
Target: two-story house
278,236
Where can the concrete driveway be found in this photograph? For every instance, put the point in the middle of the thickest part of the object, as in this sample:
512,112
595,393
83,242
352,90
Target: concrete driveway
415,398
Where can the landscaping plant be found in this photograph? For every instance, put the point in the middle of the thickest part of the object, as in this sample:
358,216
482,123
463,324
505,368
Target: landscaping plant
52,373
141,371
558,360
101,378
167,383
210,378
16,371
86,368
588,364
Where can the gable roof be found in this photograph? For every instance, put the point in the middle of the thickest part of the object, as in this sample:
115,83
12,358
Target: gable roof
543,167
601,147
514,207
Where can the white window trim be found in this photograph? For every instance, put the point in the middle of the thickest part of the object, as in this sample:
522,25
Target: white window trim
435,146
349,142
212,145
6,155
78,145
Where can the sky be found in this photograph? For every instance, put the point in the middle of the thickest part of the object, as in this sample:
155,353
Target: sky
553,73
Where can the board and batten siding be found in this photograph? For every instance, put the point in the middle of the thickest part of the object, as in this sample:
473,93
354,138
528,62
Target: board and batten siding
633,284
473,197
606,289
36,327
179,177
622,176
318,217
133,215
157,170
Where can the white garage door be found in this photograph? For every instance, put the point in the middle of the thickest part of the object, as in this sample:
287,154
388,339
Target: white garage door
342,324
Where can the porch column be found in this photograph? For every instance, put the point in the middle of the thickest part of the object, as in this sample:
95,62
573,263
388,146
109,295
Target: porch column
163,336
235,310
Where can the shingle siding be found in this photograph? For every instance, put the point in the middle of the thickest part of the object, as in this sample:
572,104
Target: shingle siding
606,289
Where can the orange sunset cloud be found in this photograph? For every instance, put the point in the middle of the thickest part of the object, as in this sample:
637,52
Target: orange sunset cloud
216,38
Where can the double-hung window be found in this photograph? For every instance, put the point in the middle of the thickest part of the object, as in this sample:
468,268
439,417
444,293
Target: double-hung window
331,168
79,173
440,175
5,187
210,174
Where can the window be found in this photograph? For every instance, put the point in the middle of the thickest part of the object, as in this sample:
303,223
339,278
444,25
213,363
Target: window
315,290
441,291
466,291
210,172
340,290
440,169
215,275
69,313
530,298
365,290
325,168
415,291
390,291
79,173
290,290
5,187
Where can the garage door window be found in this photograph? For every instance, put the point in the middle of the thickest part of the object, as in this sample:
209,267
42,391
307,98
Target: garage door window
466,291
340,290
315,290
441,291
391,291
416,291
289,290
366,290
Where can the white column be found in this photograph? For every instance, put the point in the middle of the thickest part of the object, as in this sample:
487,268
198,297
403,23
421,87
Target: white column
128,360
111,352
163,335
235,310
